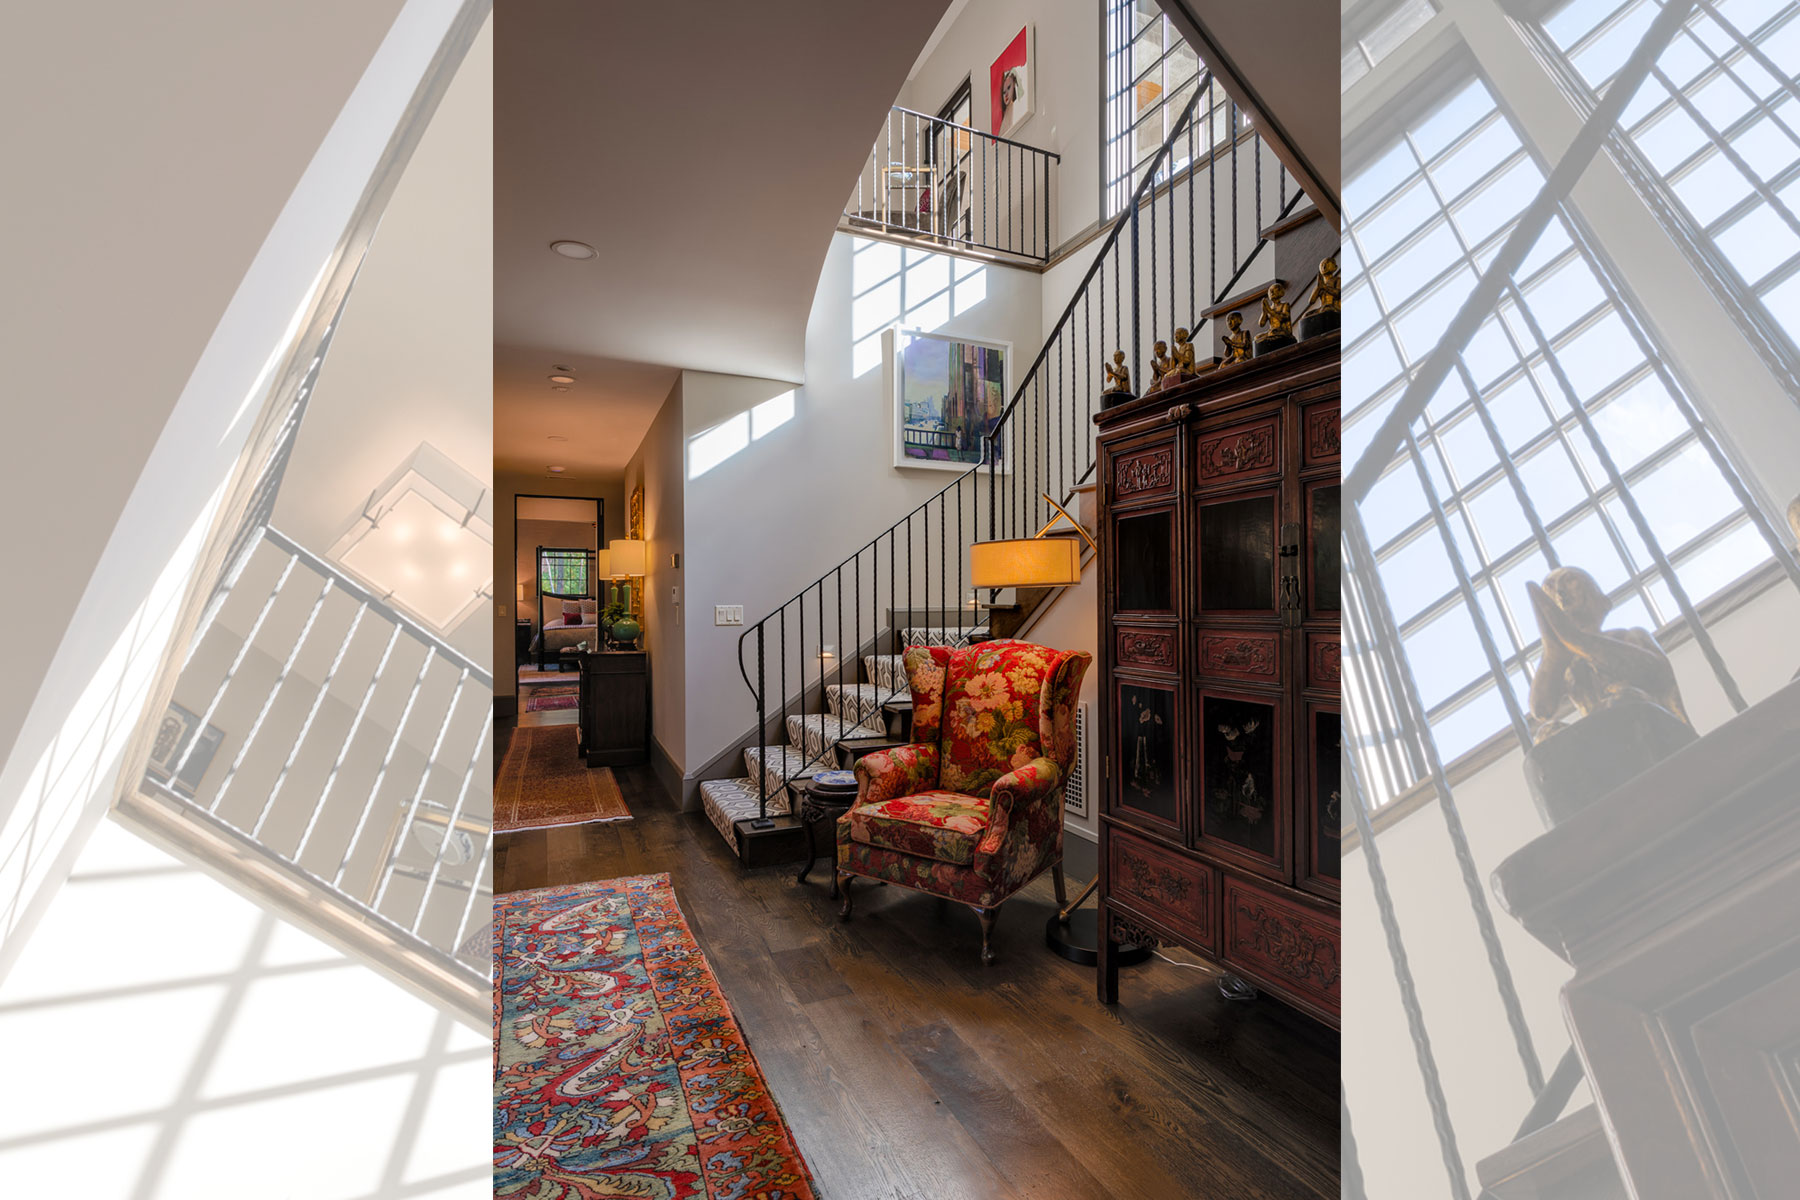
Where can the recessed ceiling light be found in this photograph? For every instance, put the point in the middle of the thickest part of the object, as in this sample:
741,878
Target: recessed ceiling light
557,470
557,437
573,249
562,379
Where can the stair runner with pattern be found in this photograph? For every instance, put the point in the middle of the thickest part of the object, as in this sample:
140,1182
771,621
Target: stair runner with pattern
853,710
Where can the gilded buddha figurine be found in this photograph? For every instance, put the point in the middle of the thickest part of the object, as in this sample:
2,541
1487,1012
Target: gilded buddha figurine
1184,353
1326,292
1237,342
1160,362
1275,320
1589,667
1116,376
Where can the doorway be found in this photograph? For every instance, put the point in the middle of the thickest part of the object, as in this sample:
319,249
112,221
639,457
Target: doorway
555,542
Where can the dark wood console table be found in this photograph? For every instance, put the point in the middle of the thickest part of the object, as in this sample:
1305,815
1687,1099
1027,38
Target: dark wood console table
614,707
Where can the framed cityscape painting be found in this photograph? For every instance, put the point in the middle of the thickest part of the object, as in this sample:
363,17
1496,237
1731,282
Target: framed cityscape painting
949,393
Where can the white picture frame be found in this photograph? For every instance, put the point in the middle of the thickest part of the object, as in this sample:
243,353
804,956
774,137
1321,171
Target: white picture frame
929,418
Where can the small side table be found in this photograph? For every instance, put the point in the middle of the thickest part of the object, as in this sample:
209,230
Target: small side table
823,798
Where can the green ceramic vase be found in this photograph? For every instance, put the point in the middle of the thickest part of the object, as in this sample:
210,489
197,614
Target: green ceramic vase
626,630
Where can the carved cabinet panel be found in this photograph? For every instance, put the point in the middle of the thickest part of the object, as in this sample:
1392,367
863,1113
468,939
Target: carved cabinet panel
1144,473
1179,891
1289,946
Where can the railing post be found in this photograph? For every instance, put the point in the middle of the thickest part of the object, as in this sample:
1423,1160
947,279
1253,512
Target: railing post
1137,338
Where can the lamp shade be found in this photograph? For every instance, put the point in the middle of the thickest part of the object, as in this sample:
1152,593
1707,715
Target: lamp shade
603,564
626,556
1025,562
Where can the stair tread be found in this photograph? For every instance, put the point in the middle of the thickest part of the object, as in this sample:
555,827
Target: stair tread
728,801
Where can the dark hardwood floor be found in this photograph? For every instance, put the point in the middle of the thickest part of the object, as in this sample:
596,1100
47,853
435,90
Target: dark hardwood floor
910,1072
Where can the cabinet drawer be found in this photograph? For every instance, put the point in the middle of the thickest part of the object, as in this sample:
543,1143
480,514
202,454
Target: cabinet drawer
1283,942
1165,885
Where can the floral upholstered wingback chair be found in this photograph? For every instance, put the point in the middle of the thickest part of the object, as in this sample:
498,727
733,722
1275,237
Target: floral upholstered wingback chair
971,809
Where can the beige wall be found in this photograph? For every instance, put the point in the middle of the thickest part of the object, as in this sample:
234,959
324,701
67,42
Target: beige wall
657,468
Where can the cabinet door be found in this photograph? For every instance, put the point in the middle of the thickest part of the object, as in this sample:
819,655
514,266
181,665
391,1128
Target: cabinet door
1242,787
1146,775
1321,812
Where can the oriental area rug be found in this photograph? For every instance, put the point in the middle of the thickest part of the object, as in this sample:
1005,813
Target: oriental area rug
544,782
619,1069
548,697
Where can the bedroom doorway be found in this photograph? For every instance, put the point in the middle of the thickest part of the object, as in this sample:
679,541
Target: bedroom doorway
560,593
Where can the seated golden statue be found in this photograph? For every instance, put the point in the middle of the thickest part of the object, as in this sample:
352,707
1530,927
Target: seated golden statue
1160,362
1275,315
1184,353
1116,375
1237,342
1326,292
1588,667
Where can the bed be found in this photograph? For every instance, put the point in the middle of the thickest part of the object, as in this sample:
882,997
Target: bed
568,610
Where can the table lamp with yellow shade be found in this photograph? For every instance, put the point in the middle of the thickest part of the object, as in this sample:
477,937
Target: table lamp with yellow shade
1036,561
625,560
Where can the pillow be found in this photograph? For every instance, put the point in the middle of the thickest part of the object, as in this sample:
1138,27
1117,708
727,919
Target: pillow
571,612
590,612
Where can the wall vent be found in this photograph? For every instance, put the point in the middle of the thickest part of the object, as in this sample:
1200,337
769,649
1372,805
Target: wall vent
1075,795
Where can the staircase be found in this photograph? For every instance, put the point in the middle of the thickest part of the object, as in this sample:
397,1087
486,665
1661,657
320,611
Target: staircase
877,707
1199,227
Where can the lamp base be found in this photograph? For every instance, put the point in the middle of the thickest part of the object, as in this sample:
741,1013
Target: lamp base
1079,940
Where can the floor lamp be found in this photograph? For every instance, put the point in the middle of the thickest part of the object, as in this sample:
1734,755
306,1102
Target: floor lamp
1043,561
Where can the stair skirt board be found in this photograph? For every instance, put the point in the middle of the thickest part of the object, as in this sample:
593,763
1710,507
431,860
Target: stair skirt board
730,800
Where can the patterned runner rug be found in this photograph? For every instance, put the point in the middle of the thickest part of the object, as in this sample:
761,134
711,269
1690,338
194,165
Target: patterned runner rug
619,1069
546,697
543,782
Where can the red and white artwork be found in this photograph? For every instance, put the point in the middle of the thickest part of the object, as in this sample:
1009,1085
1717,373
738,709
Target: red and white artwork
1012,90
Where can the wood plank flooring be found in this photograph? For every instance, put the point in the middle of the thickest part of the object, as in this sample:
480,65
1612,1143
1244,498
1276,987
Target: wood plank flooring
910,1072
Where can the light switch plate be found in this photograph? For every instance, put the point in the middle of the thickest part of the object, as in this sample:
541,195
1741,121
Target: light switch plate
728,614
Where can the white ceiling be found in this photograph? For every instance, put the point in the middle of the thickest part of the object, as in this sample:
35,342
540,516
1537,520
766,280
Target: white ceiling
706,156
1284,54
410,358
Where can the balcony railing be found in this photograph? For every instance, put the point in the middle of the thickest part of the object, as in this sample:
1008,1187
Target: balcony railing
933,179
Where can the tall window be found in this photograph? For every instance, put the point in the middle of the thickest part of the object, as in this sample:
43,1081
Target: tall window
1499,463
1718,120
1149,74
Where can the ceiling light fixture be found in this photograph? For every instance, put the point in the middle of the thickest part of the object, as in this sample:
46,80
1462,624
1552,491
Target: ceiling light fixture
562,379
577,250
557,470
424,540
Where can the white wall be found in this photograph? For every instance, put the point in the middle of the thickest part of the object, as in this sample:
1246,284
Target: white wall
1483,1081
1067,119
799,499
